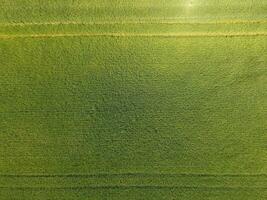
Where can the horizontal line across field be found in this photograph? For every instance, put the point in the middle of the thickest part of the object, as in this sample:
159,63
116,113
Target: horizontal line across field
135,187
130,174
131,22
182,35
190,181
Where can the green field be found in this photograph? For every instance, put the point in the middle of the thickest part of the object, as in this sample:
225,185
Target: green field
133,100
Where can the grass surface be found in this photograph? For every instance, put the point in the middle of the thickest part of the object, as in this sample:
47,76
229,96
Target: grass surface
150,105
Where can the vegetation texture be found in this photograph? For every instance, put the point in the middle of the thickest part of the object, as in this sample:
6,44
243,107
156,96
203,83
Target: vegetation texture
136,100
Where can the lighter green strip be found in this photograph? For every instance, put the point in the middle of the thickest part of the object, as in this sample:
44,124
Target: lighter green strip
132,22
240,34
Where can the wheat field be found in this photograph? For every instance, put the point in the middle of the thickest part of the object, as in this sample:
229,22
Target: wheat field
136,100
